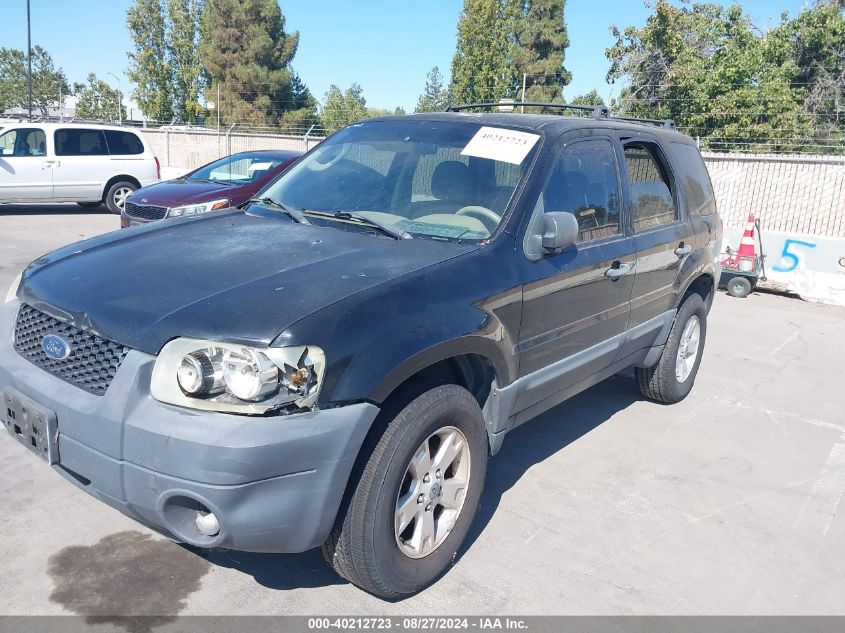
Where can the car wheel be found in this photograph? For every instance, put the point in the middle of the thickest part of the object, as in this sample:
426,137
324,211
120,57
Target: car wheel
416,497
89,205
739,287
671,379
117,194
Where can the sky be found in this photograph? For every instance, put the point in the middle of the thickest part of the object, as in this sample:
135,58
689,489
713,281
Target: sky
387,46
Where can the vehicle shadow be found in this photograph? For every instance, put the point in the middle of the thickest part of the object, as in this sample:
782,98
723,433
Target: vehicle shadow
52,209
544,436
276,571
528,445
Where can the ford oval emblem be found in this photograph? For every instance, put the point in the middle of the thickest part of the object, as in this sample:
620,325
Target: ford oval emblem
55,347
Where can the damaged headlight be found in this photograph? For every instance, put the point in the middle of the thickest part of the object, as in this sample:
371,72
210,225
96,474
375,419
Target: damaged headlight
12,293
237,378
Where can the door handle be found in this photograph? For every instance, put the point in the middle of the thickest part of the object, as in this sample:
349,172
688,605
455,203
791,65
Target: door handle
617,270
683,249
47,163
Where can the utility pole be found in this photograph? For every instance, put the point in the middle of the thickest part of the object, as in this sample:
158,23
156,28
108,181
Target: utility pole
29,57
119,100
524,77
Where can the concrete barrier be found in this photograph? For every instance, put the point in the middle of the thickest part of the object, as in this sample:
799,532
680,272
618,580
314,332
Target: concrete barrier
811,266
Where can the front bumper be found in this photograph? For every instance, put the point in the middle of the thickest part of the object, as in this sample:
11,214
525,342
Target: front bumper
274,483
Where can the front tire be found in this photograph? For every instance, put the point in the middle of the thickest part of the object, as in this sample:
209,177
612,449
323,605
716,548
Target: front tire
416,498
117,194
672,378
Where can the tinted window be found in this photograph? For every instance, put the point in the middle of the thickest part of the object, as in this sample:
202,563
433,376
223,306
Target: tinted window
584,183
696,181
123,143
23,142
651,191
80,142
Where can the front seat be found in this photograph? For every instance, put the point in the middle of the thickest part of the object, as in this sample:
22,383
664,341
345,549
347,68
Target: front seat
451,184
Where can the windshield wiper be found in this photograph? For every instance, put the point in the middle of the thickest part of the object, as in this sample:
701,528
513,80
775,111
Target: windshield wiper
387,229
293,214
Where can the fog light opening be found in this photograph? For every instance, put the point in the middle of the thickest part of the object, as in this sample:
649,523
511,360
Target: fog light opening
206,522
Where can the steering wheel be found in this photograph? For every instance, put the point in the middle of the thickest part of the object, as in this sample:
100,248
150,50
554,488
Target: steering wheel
316,165
490,218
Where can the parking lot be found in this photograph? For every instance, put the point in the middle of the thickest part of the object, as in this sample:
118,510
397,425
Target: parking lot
727,503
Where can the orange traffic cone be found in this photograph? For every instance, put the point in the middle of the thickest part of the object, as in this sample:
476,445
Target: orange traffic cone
746,254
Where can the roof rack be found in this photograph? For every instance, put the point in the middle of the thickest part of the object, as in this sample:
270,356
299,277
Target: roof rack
597,111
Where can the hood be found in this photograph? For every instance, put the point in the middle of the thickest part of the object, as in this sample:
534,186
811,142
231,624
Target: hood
177,193
229,276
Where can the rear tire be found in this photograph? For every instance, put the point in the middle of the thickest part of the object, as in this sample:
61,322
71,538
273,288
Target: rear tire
408,481
672,378
89,205
117,194
739,287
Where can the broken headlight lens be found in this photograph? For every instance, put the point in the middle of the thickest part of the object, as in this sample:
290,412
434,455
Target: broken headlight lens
237,378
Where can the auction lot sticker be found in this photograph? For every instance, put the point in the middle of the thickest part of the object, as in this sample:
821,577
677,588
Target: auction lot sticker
501,144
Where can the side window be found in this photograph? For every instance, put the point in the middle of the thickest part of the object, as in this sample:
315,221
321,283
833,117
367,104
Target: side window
80,142
584,183
696,181
23,142
123,143
651,190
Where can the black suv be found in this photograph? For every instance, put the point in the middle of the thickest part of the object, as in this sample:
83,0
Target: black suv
334,364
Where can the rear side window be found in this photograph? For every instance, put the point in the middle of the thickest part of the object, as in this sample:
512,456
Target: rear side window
694,177
123,143
651,187
80,142
23,142
584,183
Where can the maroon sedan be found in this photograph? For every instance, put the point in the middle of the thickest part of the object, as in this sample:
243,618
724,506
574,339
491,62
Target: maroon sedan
224,183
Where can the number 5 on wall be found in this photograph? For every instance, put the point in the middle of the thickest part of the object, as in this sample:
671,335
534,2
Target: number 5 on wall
791,257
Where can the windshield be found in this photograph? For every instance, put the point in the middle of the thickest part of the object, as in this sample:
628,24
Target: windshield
441,180
238,168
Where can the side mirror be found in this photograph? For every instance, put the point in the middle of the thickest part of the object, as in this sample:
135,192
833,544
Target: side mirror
560,229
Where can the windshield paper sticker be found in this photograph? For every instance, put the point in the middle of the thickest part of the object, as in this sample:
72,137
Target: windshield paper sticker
495,143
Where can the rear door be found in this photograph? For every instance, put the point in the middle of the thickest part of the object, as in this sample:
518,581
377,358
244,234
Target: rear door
663,234
82,165
576,302
26,169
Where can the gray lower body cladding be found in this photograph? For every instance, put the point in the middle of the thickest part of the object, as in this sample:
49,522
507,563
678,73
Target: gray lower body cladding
274,483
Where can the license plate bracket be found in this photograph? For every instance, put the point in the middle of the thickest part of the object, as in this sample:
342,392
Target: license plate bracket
31,424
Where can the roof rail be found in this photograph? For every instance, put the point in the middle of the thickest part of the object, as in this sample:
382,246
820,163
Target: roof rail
597,111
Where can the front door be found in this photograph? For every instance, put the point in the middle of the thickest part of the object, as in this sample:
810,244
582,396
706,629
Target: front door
26,171
576,302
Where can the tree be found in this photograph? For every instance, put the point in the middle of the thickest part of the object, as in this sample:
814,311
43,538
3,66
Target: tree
341,108
98,100
588,99
542,43
483,66
303,112
435,97
399,110
247,52
707,67
49,84
149,65
183,52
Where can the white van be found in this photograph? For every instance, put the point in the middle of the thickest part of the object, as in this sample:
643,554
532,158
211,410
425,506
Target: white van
89,164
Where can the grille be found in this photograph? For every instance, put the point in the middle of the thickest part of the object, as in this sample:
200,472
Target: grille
93,361
145,212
